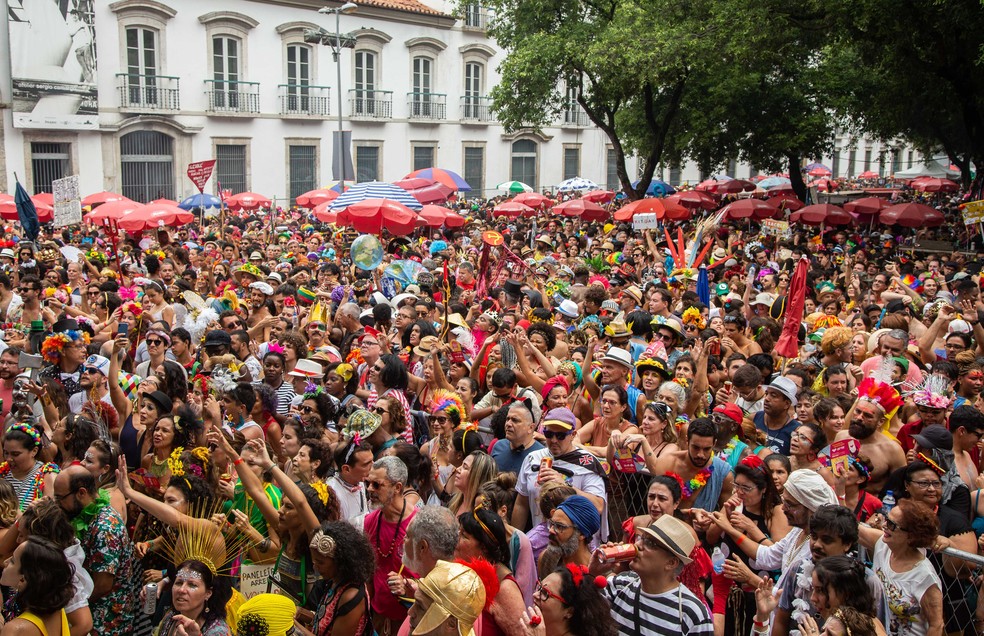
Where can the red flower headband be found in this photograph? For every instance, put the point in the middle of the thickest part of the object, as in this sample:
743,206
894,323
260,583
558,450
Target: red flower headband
754,461
578,572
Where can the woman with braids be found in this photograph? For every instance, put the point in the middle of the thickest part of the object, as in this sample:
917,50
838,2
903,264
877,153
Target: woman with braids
30,477
483,536
72,436
344,559
42,577
101,459
305,507
570,601
198,602
663,498
499,494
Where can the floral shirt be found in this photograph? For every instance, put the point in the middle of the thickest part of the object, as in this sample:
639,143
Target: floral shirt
108,549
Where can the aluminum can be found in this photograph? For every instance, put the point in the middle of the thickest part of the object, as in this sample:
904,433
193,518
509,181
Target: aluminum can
150,598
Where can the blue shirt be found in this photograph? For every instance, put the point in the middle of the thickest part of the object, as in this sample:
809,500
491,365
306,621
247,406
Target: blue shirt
509,460
778,440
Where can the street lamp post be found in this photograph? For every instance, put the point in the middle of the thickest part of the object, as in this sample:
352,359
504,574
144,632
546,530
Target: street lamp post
336,44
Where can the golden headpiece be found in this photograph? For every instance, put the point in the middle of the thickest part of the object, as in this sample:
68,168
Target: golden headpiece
458,591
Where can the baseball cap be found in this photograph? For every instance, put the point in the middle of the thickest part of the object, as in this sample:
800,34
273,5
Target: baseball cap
935,436
730,410
99,363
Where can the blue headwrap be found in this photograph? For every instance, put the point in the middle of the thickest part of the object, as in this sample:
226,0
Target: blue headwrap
582,514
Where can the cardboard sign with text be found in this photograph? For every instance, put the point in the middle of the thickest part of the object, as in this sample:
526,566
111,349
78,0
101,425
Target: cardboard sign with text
973,212
645,222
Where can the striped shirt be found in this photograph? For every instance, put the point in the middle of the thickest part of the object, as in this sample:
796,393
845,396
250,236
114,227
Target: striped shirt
285,393
678,611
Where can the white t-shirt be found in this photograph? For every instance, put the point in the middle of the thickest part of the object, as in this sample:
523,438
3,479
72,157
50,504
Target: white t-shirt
76,401
352,502
904,591
583,478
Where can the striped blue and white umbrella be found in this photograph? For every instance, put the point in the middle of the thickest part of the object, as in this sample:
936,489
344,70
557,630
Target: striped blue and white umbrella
375,190
576,183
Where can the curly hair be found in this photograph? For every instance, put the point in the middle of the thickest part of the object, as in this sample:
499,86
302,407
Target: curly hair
175,381
46,520
9,504
80,432
592,614
846,575
318,451
295,339
919,522
355,561
266,397
196,492
545,330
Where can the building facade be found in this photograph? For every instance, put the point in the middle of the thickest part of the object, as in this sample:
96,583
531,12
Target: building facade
139,89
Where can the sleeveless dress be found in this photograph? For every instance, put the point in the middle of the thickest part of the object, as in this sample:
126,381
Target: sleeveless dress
35,620
329,611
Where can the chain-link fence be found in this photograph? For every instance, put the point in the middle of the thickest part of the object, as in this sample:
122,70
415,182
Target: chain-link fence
961,574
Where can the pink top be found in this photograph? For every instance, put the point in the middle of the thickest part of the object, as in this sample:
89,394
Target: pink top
390,540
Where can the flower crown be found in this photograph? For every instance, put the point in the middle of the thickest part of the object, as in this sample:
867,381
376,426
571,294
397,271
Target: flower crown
321,488
52,346
693,316
312,390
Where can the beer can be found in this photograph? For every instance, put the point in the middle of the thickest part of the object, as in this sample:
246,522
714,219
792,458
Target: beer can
546,463
150,598
617,553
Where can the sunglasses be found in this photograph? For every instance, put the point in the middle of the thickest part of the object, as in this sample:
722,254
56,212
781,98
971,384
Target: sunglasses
440,419
894,527
555,434
154,342
27,289
91,370
380,410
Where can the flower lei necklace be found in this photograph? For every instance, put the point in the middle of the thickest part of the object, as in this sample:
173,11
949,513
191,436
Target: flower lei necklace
697,482
726,453
82,521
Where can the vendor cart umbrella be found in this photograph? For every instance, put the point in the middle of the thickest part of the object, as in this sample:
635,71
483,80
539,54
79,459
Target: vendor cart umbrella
868,174
447,177
375,190
153,216
747,208
585,209
866,205
773,182
662,208
44,198
248,201
8,211
576,184
911,215
821,214
324,214
203,201
513,210
434,215
314,198
733,186
694,199
657,188
372,216
790,203
599,196
534,200
933,184
98,198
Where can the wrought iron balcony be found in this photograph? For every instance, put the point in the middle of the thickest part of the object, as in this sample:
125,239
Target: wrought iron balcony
476,109
233,97
573,115
370,104
148,92
304,99
428,106
475,16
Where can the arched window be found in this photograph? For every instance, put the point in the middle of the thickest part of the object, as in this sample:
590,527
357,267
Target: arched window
524,159
147,165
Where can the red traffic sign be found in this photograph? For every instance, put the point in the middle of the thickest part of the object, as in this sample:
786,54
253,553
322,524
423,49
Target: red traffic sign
200,172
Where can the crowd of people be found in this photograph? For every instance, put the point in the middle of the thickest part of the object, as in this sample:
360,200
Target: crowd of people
517,427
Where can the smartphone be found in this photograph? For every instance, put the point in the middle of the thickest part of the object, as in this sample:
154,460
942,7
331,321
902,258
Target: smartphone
123,329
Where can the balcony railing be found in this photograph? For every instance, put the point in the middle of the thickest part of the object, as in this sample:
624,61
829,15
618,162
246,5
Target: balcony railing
148,92
304,99
478,109
430,106
573,115
475,16
233,97
371,104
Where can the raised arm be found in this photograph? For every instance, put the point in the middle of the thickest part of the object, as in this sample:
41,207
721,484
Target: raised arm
287,485
251,483
121,403
589,382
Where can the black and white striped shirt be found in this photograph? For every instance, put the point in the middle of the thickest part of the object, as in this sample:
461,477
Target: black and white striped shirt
678,611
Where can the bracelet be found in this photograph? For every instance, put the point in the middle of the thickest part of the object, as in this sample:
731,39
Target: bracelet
740,538
238,460
758,623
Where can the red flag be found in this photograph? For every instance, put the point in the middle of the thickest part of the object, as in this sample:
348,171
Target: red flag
788,345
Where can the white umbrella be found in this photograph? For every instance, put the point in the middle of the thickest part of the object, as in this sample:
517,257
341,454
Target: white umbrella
375,190
576,183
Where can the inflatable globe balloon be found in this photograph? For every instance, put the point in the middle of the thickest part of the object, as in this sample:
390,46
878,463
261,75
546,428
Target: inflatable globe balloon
367,252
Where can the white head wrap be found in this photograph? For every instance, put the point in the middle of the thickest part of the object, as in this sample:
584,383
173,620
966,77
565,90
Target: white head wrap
808,487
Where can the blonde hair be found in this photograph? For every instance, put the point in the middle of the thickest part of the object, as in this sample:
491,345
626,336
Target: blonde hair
9,505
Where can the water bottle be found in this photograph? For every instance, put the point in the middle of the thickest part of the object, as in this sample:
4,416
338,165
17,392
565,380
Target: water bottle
888,503
718,559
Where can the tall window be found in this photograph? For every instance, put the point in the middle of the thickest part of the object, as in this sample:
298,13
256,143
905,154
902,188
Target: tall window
475,170
366,163
896,160
365,83
835,162
611,171
473,90
675,174
303,167
423,157
298,77
474,15
753,172
572,162
230,167
225,71
141,66
147,166
421,104
867,160
852,159
49,162
733,168
909,160
524,162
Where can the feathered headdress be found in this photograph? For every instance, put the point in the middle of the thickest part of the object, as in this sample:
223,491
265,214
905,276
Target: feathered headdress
882,394
933,392
447,401
201,540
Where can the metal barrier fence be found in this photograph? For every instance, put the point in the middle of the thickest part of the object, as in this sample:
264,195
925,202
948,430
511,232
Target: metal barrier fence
961,592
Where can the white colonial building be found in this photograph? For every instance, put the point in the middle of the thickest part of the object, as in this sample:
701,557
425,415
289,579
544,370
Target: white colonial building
135,90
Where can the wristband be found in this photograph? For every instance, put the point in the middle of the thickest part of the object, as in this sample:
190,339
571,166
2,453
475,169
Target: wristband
740,538
758,623
238,460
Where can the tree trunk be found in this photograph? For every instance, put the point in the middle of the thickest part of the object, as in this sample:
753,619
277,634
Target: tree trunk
796,176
